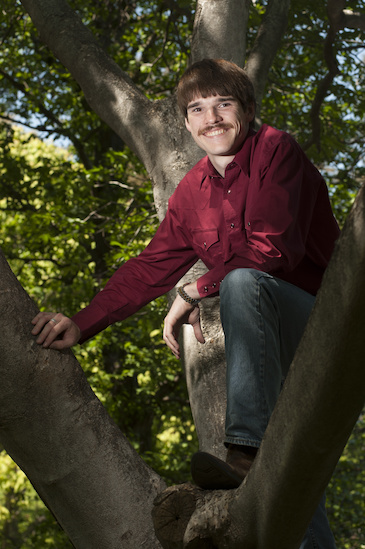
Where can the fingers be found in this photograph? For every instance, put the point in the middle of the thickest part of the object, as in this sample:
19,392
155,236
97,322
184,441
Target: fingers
47,327
43,325
40,320
198,332
179,314
55,330
170,339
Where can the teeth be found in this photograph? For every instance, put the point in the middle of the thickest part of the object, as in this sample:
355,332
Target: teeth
215,132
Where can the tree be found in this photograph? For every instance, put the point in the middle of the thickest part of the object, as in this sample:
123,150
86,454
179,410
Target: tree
152,131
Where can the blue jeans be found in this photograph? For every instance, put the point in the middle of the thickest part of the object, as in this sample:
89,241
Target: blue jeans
263,319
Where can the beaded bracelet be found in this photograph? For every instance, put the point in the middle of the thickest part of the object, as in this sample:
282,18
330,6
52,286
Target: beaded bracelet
187,297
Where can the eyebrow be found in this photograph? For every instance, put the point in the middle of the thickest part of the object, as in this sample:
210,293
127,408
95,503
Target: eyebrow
219,99
193,105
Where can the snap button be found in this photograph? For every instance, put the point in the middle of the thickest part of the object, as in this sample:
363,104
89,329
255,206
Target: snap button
232,225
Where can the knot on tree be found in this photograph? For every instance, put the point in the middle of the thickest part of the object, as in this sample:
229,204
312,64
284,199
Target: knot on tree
187,517
171,514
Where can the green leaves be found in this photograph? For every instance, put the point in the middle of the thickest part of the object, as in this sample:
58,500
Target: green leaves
345,495
24,521
294,82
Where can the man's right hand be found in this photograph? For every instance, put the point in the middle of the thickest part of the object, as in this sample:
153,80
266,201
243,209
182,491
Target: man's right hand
55,331
181,313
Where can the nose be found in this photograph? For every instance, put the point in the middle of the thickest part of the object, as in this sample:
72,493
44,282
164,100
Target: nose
212,115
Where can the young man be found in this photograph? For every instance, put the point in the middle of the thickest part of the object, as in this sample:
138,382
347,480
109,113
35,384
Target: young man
256,211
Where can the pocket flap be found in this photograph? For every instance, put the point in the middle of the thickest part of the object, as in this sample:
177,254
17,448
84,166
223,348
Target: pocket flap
205,238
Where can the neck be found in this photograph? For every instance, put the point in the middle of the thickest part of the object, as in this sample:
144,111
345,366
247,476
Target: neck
220,163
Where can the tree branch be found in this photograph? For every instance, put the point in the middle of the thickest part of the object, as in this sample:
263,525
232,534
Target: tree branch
323,89
155,131
58,432
220,30
59,126
342,18
267,42
108,90
339,18
354,20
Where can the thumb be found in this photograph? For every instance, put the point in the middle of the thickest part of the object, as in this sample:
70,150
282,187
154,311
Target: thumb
198,332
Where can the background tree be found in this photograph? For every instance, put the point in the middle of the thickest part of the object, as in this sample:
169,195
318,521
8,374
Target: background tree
153,51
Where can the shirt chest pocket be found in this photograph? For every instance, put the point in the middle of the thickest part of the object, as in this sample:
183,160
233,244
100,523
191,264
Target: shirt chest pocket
204,239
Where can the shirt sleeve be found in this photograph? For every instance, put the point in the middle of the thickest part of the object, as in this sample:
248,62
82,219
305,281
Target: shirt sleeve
280,201
140,280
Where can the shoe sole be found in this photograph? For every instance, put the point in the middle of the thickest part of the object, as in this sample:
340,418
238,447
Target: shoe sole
211,473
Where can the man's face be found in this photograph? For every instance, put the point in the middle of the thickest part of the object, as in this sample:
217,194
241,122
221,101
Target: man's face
218,125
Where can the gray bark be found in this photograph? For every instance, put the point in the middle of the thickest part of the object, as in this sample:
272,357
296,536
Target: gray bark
219,30
58,432
266,44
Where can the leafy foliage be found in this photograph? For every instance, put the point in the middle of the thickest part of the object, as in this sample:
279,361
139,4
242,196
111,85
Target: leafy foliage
345,495
336,146
24,521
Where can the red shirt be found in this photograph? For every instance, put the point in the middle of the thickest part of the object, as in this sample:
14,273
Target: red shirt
270,212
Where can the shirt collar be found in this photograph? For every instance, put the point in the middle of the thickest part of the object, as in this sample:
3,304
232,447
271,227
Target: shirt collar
242,158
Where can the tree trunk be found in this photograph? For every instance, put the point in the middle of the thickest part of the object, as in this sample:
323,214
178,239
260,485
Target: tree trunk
58,432
219,30
205,371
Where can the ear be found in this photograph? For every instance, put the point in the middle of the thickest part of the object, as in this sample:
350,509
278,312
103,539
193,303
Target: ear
187,125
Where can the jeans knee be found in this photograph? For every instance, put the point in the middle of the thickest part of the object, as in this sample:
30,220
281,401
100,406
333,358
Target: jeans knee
238,290
236,282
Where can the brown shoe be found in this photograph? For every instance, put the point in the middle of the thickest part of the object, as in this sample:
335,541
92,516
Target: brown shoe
240,458
211,473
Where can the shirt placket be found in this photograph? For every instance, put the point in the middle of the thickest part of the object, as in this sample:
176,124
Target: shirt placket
232,198
231,228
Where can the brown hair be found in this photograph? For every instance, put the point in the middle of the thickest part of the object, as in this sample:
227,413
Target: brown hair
215,77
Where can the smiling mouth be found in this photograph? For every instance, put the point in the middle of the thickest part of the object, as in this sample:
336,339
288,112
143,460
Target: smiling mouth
213,132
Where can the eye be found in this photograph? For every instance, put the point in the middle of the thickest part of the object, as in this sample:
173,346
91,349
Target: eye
225,104
194,110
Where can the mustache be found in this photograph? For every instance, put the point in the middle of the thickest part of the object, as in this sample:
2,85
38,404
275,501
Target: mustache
214,127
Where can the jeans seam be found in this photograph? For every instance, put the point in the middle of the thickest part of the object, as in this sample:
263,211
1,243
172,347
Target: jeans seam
313,538
244,441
